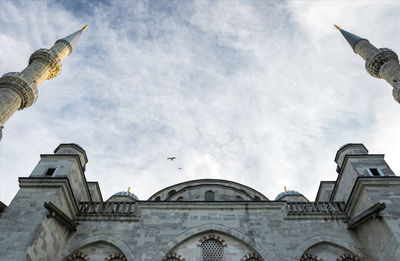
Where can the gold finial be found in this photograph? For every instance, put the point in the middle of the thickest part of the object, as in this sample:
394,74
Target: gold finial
129,189
337,27
83,28
284,187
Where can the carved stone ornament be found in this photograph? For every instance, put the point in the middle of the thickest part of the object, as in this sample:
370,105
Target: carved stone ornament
374,63
212,236
79,256
115,257
27,92
52,61
251,257
173,256
310,257
347,257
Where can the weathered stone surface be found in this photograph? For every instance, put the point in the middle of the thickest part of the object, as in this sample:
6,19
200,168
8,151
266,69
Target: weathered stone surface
172,229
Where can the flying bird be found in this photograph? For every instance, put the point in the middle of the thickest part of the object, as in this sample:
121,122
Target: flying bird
171,158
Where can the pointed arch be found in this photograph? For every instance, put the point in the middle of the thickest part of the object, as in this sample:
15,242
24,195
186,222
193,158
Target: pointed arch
124,248
210,228
303,247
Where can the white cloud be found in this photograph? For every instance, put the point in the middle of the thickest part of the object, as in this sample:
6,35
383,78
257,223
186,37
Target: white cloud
259,93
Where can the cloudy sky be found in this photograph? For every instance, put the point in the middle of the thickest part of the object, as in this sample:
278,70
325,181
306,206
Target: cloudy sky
259,92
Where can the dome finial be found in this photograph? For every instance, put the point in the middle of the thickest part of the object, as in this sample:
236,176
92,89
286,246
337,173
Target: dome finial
337,27
129,189
284,187
84,28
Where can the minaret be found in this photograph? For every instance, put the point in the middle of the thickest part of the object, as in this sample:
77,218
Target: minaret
19,90
380,63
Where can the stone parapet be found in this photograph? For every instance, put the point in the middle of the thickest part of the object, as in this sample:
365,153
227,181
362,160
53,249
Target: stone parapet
374,63
53,62
315,208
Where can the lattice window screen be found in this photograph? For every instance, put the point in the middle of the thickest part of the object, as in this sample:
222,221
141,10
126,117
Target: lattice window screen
209,196
212,250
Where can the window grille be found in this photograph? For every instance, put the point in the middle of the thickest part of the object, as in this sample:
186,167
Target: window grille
212,250
209,196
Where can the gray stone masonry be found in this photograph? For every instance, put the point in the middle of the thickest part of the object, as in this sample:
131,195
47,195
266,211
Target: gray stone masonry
152,230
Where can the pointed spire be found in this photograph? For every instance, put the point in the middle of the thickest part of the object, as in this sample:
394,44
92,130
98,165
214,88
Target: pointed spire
70,40
352,39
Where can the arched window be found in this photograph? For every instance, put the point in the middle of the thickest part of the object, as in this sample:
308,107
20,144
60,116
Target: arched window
257,198
251,257
172,256
79,256
239,198
309,257
157,198
347,257
179,199
212,250
172,192
115,257
209,196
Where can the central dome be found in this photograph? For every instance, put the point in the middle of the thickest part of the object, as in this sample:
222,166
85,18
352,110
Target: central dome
208,190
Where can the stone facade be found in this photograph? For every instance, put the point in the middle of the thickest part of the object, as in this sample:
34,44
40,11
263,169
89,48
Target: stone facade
58,215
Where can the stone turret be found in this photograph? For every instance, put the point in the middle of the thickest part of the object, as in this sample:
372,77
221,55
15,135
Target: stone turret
379,63
19,90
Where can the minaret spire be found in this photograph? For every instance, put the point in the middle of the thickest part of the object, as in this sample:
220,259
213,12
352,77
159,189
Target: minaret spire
380,63
70,40
19,90
352,39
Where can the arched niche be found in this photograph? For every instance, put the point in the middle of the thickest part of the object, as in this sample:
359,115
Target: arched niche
113,248
98,250
190,242
328,250
307,244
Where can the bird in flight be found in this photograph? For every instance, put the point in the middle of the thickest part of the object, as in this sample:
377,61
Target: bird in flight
179,168
171,158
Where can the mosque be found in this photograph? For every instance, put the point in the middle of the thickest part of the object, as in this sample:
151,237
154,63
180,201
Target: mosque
58,215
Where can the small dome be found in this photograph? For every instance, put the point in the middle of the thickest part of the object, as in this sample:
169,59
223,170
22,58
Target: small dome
126,193
285,193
